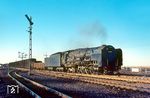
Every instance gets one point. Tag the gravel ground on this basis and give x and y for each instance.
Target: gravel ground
(78, 89)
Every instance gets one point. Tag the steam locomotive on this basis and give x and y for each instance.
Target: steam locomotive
(104, 59)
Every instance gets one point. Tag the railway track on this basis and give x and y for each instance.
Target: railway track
(35, 89)
(136, 83)
(128, 78)
(124, 82)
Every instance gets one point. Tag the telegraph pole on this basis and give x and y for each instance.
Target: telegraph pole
(30, 40)
(46, 55)
(22, 55)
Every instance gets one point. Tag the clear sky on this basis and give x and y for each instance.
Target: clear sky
(60, 25)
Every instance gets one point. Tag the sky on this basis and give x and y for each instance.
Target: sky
(61, 25)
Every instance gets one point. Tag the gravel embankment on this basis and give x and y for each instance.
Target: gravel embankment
(78, 89)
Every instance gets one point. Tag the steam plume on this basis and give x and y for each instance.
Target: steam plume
(89, 34)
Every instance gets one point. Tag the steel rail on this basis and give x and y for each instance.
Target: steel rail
(124, 84)
(59, 94)
(23, 86)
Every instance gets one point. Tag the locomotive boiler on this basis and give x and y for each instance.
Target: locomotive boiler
(104, 59)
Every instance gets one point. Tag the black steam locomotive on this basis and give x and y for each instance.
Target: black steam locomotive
(104, 59)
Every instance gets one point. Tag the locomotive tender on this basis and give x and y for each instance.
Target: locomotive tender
(104, 59)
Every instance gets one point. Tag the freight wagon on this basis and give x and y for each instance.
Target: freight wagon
(25, 64)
